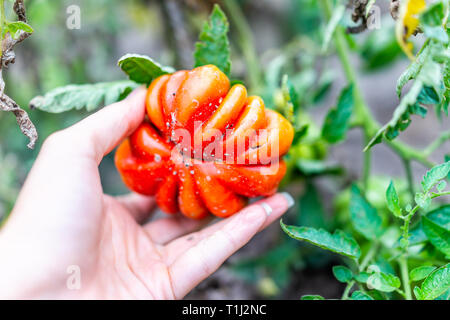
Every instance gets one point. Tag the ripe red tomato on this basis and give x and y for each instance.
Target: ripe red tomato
(205, 148)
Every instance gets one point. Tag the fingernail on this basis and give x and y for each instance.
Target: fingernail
(290, 201)
(268, 209)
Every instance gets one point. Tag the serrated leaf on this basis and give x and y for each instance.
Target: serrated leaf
(434, 175)
(364, 217)
(213, 47)
(441, 216)
(441, 186)
(142, 69)
(338, 242)
(420, 273)
(311, 209)
(312, 297)
(437, 283)
(88, 96)
(384, 282)
(359, 295)
(393, 201)
(423, 200)
(400, 119)
(342, 274)
(338, 119)
(438, 236)
(431, 22)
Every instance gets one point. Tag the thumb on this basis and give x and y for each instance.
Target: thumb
(102, 131)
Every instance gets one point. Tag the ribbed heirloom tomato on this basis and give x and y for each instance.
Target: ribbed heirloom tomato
(205, 147)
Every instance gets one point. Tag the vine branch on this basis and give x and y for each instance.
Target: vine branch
(7, 57)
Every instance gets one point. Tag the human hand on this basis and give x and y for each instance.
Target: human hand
(63, 222)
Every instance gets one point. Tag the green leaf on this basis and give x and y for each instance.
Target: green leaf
(420, 273)
(88, 96)
(393, 201)
(338, 242)
(290, 96)
(336, 17)
(364, 217)
(380, 48)
(359, 295)
(338, 119)
(312, 297)
(423, 200)
(362, 277)
(441, 216)
(434, 175)
(310, 167)
(300, 133)
(213, 47)
(311, 212)
(14, 28)
(342, 274)
(437, 283)
(444, 296)
(441, 186)
(401, 117)
(142, 69)
(438, 236)
(417, 293)
(384, 282)
(447, 156)
(413, 70)
(433, 15)
(431, 22)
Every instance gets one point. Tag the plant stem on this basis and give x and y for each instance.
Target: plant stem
(409, 177)
(2, 22)
(405, 277)
(245, 42)
(435, 195)
(369, 256)
(367, 165)
(347, 290)
(403, 259)
(437, 143)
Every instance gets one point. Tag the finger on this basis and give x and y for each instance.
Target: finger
(167, 229)
(275, 203)
(140, 207)
(220, 241)
(102, 131)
